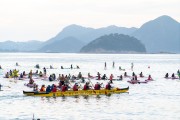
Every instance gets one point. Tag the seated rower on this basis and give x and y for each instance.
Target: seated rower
(24, 73)
(64, 88)
(77, 67)
(97, 86)
(75, 87)
(89, 76)
(40, 74)
(141, 74)
(173, 76)
(125, 74)
(149, 77)
(167, 75)
(21, 75)
(43, 88)
(120, 77)
(79, 75)
(51, 67)
(54, 89)
(104, 77)
(7, 75)
(108, 86)
(62, 67)
(35, 88)
(86, 86)
(48, 89)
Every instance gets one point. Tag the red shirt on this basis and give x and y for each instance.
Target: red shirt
(75, 88)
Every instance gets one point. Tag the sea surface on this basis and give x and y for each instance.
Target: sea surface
(159, 99)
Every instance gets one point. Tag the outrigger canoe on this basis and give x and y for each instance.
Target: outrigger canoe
(75, 93)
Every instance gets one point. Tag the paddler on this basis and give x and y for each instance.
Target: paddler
(15, 72)
(125, 74)
(104, 77)
(173, 76)
(97, 86)
(7, 75)
(108, 86)
(120, 77)
(149, 77)
(86, 86)
(40, 74)
(75, 87)
(48, 89)
(43, 88)
(141, 74)
(167, 75)
(54, 88)
(79, 75)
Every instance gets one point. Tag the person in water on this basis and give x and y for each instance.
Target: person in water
(75, 87)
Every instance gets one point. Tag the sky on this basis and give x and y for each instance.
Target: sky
(24, 20)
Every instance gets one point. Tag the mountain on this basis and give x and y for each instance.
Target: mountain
(81, 36)
(86, 35)
(160, 35)
(114, 43)
(66, 45)
(11, 46)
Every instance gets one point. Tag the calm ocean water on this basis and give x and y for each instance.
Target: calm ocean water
(159, 99)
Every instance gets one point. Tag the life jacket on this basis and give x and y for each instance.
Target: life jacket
(86, 87)
(63, 88)
(97, 87)
(75, 88)
(54, 89)
(108, 86)
(42, 89)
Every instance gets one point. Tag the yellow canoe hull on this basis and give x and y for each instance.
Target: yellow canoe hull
(76, 93)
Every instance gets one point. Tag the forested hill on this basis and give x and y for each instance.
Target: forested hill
(114, 43)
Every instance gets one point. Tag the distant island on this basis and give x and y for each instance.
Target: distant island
(161, 35)
(114, 43)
